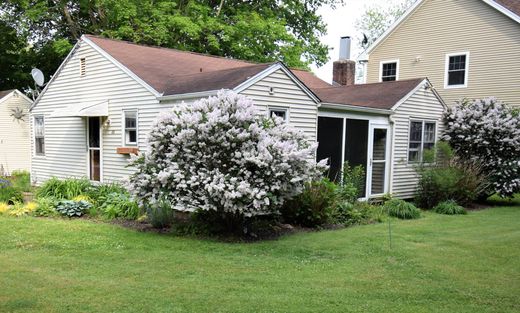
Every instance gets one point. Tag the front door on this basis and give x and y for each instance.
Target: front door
(378, 160)
(94, 148)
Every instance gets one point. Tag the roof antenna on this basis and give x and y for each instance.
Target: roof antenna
(39, 80)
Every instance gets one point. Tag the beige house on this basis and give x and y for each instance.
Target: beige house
(14, 132)
(466, 48)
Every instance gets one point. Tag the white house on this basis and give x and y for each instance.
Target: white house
(14, 132)
(99, 106)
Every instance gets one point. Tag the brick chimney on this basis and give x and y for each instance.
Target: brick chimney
(344, 70)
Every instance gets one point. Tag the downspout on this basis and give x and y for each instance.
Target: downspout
(392, 152)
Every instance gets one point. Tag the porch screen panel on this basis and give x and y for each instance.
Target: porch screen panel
(356, 145)
(330, 137)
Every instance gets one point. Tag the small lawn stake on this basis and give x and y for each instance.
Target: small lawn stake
(389, 230)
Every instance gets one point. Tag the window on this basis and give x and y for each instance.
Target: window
(130, 127)
(421, 137)
(389, 71)
(280, 112)
(82, 66)
(456, 70)
(39, 135)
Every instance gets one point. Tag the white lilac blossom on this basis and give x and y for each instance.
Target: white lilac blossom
(220, 154)
(489, 131)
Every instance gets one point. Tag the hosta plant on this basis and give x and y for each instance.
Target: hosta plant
(220, 154)
(488, 130)
(72, 208)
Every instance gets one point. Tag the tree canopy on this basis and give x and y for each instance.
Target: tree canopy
(255, 30)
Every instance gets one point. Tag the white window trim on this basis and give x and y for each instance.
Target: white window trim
(123, 128)
(273, 108)
(421, 149)
(446, 67)
(34, 135)
(396, 61)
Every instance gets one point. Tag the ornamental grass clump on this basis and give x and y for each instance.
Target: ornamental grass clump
(402, 209)
(449, 207)
(488, 131)
(220, 154)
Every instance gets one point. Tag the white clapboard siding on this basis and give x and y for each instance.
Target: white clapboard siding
(14, 134)
(303, 111)
(422, 105)
(440, 27)
(65, 137)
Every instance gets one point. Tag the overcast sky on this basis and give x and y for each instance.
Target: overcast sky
(341, 22)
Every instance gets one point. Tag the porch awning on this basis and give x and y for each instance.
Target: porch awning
(83, 109)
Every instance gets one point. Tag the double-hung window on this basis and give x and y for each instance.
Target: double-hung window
(421, 137)
(279, 112)
(39, 135)
(456, 70)
(130, 125)
(389, 70)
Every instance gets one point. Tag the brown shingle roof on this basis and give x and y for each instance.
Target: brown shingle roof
(511, 5)
(377, 95)
(4, 93)
(173, 71)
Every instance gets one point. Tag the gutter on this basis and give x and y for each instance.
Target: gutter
(354, 108)
(182, 96)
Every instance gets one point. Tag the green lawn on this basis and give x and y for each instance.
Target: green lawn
(437, 264)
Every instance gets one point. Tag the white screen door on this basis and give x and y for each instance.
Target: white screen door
(378, 160)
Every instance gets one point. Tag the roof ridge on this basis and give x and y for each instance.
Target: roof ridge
(171, 49)
(225, 70)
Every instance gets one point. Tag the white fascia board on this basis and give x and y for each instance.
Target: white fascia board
(354, 108)
(71, 52)
(503, 10)
(121, 66)
(191, 95)
(424, 83)
(23, 96)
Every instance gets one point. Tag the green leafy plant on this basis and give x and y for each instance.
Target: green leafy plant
(358, 213)
(116, 205)
(160, 214)
(314, 206)
(449, 207)
(46, 207)
(21, 180)
(72, 208)
(402, 209)
(8, 193)
(352, 182)
(64, 189)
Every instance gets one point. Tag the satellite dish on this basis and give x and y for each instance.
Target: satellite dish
(38, 77)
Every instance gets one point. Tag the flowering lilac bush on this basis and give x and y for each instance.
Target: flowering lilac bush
(218, 154)
(489, 131)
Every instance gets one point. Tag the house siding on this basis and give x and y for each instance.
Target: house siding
(65, 137)
(14, 135)
(422, 105)
(440, 27)
(303, 111)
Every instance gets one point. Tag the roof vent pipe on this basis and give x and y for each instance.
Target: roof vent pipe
(344, 48)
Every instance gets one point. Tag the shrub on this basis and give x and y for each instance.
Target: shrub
(314, 206)
(21, 180)
(160, 214)
(352, 183)
(488, 131)
(449, 177)
(46, 207)
(19, 209)
(449, 207)
(72, 208)
(358, 213)
(220, 154)
(64, 189)
(402, 209)
(8, 193)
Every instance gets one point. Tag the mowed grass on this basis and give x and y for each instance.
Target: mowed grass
(439, 263)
